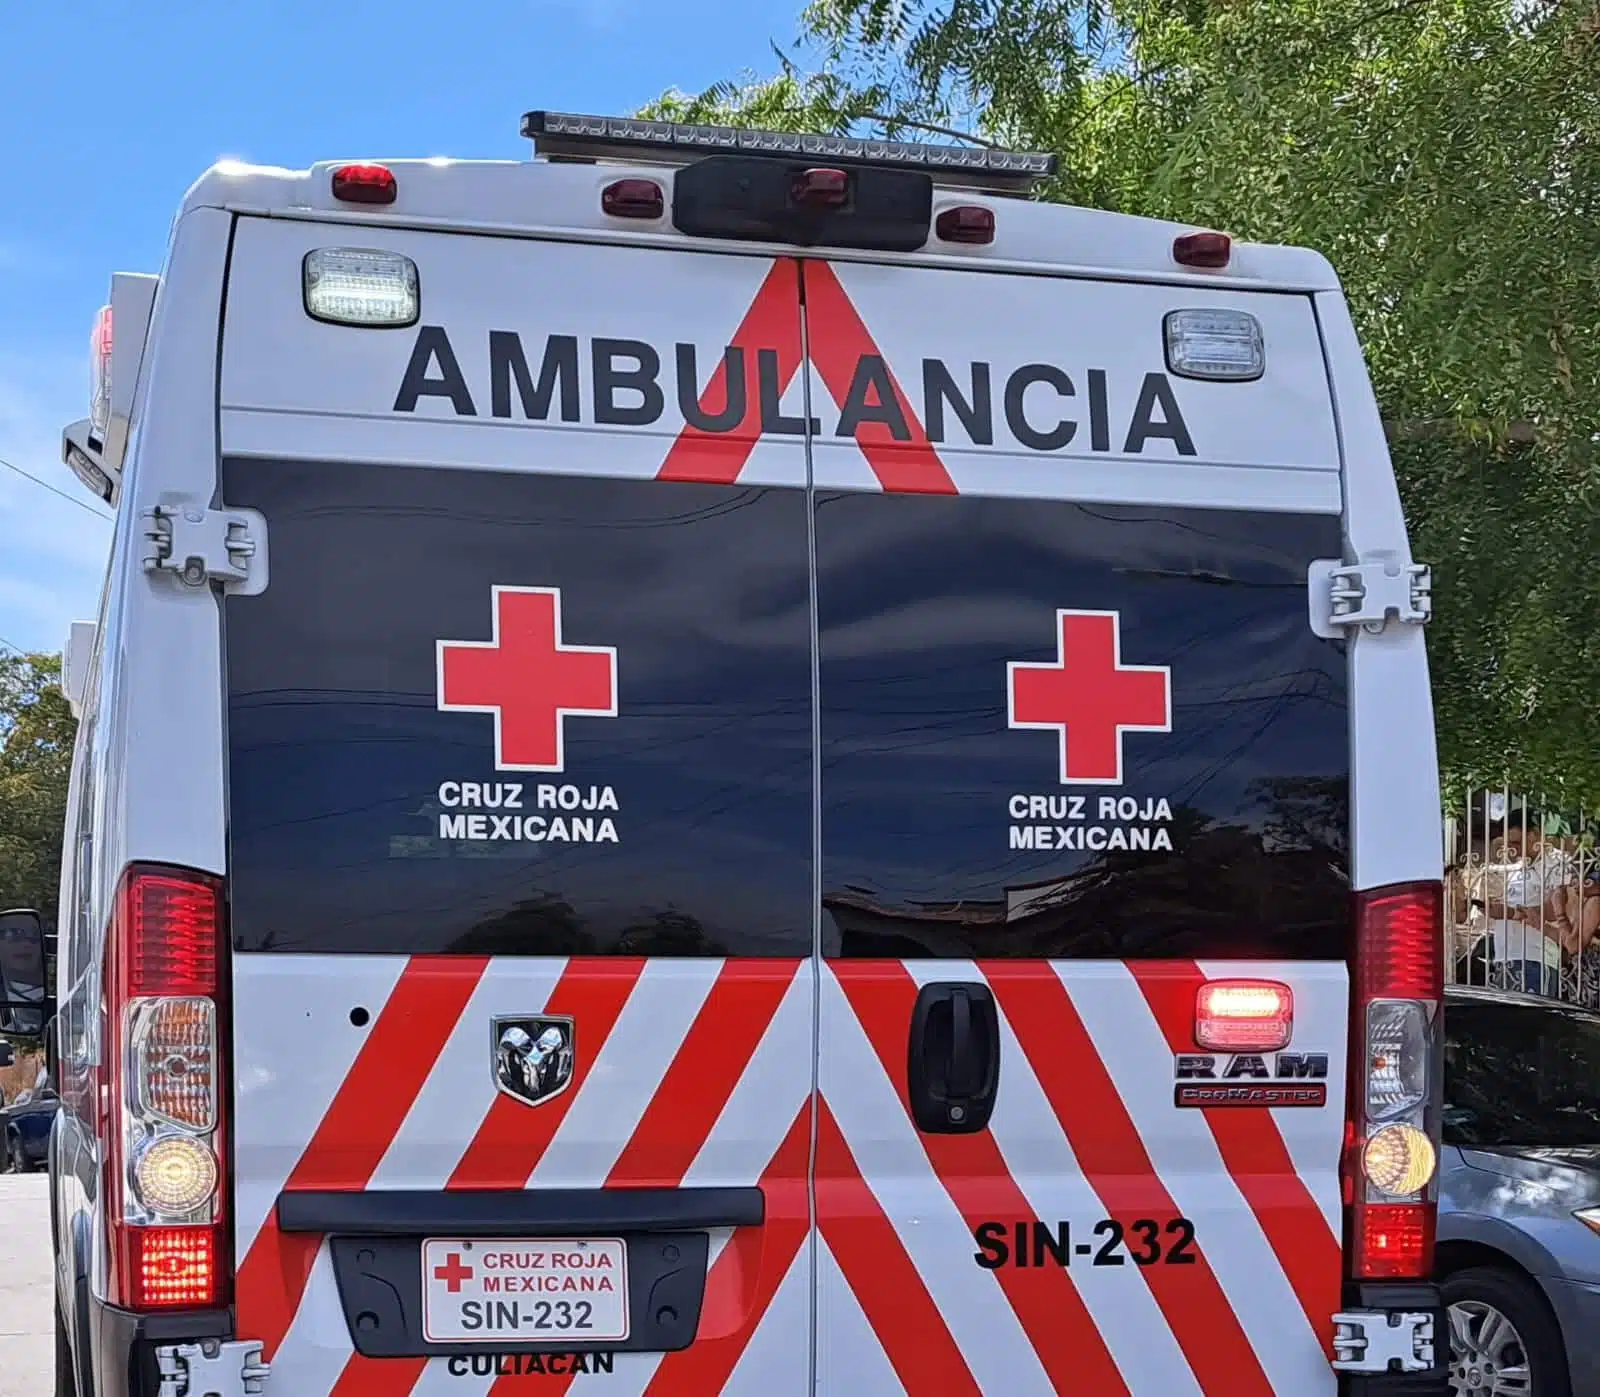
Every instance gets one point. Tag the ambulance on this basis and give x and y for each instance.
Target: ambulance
(734, 762)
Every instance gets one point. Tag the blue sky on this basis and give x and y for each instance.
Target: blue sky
(110, 110)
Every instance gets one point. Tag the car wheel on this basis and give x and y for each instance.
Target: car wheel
(66, 1368)
(1504, 1342)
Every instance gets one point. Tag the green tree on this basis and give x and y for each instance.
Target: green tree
(1444, 154)
(36, 733)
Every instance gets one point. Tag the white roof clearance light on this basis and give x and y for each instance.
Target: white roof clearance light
(1223, 345)
(355, 286)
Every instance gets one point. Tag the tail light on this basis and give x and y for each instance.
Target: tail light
(164, 1122)
(1392, 1132)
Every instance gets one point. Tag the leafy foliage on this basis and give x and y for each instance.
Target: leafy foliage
(1444, 154)
(36, 734)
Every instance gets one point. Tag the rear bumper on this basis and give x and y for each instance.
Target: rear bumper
(122, 1345)
(1404, 1298)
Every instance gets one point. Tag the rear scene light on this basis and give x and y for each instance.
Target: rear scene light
(633, 198)
(969, 223)
(170, 1268)
(365, 184)
(821, 189)
(1243, 1016)
(164, 1120)
(360, 287)
(1392, 1155)
(1210, 250)
(1222, 345)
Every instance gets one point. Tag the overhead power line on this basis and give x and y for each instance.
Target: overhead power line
(60, 494)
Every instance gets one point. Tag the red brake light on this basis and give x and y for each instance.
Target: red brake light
(1211, 250)
(1393, 1241)
(365, 184)
(170, 1268)
(633, 198)
(1243, 1016)
(821, 188)
(969, 223)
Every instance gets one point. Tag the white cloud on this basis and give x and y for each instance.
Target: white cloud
(52, 552)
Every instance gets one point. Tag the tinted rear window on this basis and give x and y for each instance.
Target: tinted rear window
(364, 818)
(367, 816)
(1215, 826)
(1520, 1075)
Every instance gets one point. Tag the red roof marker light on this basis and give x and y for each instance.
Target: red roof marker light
(821, 189)
(967, 223)
(633, 198)
(1209, 250)
(365, 184)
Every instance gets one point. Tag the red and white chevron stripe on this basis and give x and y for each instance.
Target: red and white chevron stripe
(704, 1072)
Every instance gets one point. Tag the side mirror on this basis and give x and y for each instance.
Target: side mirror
(24, 996)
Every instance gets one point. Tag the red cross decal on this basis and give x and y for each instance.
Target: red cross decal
(1090, 697)
(452, 1273)
(528, 679)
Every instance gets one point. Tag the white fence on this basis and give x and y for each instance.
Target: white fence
(1522, 897)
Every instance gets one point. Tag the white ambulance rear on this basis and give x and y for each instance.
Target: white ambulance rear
(723, 762)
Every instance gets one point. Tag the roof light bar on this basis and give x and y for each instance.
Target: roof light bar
(562, 134)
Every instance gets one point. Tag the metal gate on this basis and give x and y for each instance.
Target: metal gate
(1522, 896)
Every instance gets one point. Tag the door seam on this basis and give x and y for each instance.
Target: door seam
(814, 1296)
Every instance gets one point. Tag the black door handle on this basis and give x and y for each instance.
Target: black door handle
(954, 1058)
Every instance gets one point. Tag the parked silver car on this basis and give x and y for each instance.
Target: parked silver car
(1519, 1214)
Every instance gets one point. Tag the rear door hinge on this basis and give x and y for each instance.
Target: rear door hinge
(1368, 594)
(200, 545)
(1378, 1341)
(212, 1368)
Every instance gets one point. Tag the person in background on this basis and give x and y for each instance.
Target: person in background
(1524, 893)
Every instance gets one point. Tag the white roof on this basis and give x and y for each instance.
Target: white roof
(536, 197)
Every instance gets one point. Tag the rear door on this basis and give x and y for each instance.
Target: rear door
(520, 774)
(1080, 754)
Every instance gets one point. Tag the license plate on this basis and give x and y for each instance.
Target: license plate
(513, 1290)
